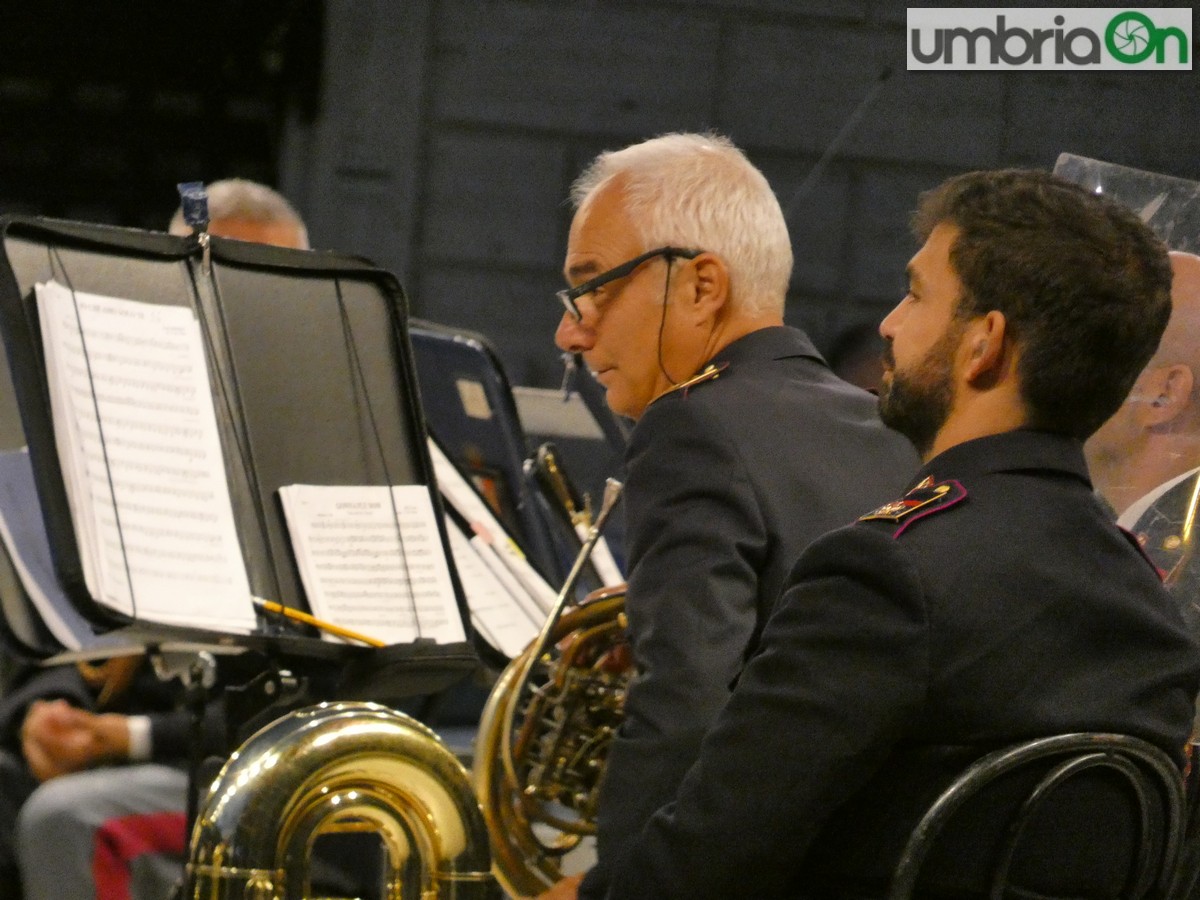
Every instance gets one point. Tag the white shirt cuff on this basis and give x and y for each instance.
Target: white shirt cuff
(139, 738)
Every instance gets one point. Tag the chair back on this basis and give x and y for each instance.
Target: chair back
(1154, 783)
(1187, 882)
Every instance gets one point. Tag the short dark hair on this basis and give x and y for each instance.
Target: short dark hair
(1083, 284)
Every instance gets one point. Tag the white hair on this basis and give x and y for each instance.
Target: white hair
(240, 198)
(699, 192)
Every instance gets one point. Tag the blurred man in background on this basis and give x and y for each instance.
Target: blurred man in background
(248, 211)
(1145, 460)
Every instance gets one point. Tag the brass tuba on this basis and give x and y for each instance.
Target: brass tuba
(340, 768)
(361, 767)
(545, 731)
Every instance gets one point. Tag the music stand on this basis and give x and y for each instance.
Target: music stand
(313, 384)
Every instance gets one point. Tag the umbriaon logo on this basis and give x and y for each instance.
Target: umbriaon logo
(1059, 38)
(1132, 37)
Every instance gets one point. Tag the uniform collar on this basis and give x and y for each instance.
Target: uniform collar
(773, 342)
(1010, 451)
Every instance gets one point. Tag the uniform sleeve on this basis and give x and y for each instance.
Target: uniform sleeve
(50, 683)
(696, 539)
(172, 736)
(842, 667)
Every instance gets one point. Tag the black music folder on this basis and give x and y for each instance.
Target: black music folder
(211, 423)
(469, 409)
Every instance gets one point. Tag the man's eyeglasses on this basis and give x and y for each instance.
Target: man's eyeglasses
(570, 295)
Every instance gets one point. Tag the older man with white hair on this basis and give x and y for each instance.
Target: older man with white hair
(746, 448)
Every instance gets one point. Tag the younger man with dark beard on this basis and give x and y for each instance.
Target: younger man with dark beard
(993, 603)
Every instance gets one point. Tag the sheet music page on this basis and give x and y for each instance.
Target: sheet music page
(503, 623)
(468, 504)
(373, 563)
(142, 460)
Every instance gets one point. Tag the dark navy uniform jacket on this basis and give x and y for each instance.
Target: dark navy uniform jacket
(994, 604)
(727, 481)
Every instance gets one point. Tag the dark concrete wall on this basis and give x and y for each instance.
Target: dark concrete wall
(449, 131)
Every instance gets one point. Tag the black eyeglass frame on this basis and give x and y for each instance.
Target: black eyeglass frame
(568, 296)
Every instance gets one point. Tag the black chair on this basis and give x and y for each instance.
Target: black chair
(1154, 787)
(1188, 881)
(469, 408)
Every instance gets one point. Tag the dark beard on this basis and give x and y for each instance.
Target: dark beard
(917, 403)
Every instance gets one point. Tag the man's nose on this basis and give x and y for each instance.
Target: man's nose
(572, 336)
(887, 328)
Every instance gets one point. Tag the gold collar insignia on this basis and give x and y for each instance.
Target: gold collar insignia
(710, 373)
(924, 494)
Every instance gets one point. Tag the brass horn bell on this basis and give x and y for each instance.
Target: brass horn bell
(339, 768)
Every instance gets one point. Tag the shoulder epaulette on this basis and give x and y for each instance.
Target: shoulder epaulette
(711, 373)
(926, 498)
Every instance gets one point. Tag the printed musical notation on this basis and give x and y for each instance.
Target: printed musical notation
(508, 598)
(502, 623)
(371, 559)
(141, 459)
(145, 476)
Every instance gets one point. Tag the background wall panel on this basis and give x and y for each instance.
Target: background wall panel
(440, 137)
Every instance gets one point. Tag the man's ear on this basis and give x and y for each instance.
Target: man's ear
(710, 283)
(986, 351)
(1165, 393)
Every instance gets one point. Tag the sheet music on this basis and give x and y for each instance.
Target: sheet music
(141, 459)
(492, 606)
(371, 563)
(471, 507)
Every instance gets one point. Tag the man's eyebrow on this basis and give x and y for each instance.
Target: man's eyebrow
(914, 278)
(580, 271)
